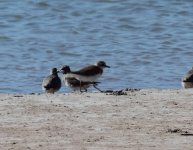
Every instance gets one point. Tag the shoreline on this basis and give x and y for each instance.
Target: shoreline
(140, 119)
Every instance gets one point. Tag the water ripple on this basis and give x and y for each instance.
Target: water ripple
(149, 42)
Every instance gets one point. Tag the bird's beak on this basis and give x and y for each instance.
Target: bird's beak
(107, 66)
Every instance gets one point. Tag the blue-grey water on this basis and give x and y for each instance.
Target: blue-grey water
(147, 43)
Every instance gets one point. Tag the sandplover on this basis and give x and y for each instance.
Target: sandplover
(73, 83)
(51, 83)
(90, 73)
(187, 80)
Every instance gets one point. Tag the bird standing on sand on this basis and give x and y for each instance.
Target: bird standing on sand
(187, 80)
(90, 73)
(73, 82)
(51, 83)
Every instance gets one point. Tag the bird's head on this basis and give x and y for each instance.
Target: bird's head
(102, 64)
(65, 69)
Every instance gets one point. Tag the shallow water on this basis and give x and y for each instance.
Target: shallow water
(148, 44)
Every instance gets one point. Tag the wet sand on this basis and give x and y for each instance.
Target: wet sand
(145, 119)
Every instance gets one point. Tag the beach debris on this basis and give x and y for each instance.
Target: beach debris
(18, 96)
(174, 131)
(120, 92)
(182, 133)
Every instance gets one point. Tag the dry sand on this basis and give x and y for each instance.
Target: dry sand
(140, 120)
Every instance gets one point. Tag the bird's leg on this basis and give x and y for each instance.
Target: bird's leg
(80, 86)
(85, 90)
(94, 85)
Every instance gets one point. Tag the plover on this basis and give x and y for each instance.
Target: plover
(187, 80)
(90, 73)
(73, 82)
(51, 83)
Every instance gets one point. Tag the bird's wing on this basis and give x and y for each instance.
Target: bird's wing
(89, 71)
(188, 77)
(47, 82)
(51, 82)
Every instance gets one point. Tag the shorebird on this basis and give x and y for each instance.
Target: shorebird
(74, 83)
(51, 83)
(187, 80)
(90, 73)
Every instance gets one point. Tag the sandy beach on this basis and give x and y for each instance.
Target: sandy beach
(137, 120)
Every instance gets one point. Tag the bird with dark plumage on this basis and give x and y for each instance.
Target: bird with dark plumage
(73, 82)
(52, 83)
(187, 80)
(89, 73)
